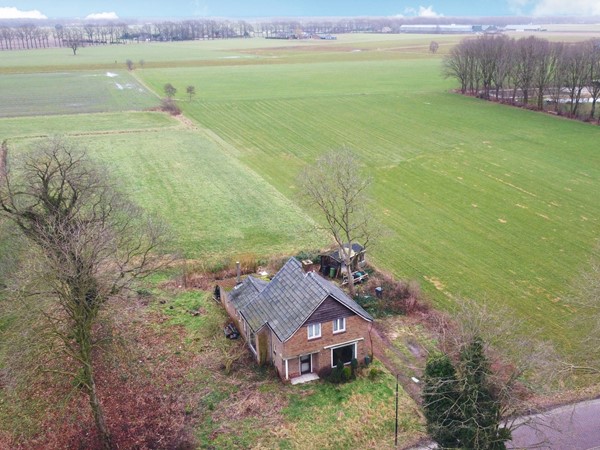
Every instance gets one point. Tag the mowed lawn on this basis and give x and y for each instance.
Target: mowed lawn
(480, 200)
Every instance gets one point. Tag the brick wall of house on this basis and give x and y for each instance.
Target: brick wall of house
(299, 344)
(229, 307)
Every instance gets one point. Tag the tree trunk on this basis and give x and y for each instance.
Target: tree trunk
(84, 340)
(98, 413)
(350, 278)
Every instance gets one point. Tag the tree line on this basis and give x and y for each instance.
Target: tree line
(30, 36)
(534, 72)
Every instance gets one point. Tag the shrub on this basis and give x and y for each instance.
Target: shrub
(168, 105)
(354, 367)
(399, 296)
(346, 373)
(374, 373)
(324, 373)
(313, 255)
(337, 373)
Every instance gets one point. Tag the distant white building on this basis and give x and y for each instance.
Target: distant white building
(522, 28)
(437, 29)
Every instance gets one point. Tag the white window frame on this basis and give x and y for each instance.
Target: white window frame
(354, 352)
(335, 325)
(316, 331)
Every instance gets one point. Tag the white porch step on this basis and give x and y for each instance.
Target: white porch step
(305, 378)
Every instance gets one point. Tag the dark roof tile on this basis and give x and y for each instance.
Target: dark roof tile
(288, 300)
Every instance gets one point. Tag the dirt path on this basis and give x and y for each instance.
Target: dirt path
(382, 345)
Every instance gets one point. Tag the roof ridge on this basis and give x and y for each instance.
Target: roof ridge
(313, 276)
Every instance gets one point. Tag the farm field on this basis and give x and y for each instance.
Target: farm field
(216, 207)
(480, 200)
(36, 94)
(38, 126)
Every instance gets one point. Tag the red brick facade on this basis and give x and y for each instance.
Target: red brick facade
(317, 353)
(357, 330)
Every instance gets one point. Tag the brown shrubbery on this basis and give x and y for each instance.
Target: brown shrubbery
(168, 105)
(398, 296)
(141, 385)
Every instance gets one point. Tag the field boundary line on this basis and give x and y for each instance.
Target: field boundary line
(139, 80)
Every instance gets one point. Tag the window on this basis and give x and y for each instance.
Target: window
(344, 354)
(314, 330)
(339, 325)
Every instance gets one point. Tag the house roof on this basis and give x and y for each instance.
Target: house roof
(247, 291)
(335, 254)
(289, 300)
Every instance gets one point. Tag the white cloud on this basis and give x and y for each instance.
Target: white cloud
(421, 12)
(10, 12)
(567, 7)
(428, 12)
(102, 16)
(518, 7)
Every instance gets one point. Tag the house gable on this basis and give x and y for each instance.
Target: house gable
(329, 310)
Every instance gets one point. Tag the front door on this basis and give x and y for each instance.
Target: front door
(305, 364)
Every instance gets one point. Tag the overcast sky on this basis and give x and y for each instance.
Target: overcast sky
(114, 9)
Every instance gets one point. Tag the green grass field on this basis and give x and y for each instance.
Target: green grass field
(480, 200)
(37, 94)
(216, 207)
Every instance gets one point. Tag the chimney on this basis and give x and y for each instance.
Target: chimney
(239, 271)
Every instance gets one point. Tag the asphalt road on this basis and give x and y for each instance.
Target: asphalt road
(571, 427)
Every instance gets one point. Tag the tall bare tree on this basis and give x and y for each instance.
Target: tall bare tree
(574, 72)
(73, 38)
(473, 391)
(190, 91)
(170, 90)
(335, 187)
(91, 244)
(593, 77)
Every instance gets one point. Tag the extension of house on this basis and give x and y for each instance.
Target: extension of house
(300, 322)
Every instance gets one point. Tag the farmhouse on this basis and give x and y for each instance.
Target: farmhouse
(299, 322)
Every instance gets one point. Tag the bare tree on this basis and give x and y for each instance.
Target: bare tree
(129, 64)
(574, 70)
(336, 188)
(593, 77)
(190, 91)
(73, 38)
(434, 47)
(546, 56)
(463, 64)
(525, 66)
(170, 90)
(91, 244)
(485, 356)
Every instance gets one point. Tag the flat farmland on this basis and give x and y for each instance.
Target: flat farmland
(76, 124)
(37, 94)
(219, 52)
(215, 206)
(480, 200)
